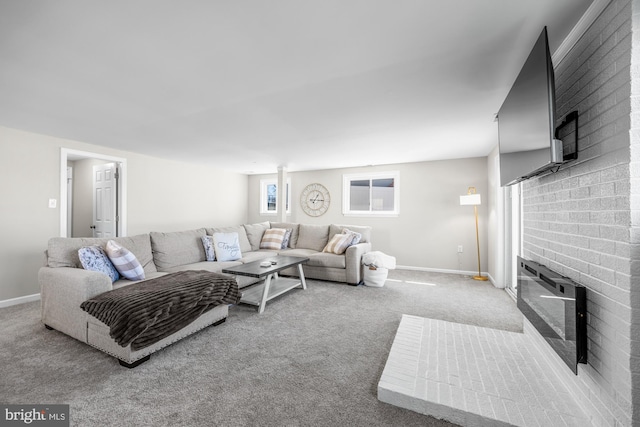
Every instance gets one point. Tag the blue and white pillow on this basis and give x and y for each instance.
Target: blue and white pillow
(207, 242)
(286, 238)
(93, 258)
(124, 261)
(227, 246)
(356, 236)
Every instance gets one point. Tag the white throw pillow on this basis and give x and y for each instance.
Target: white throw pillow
(124, 261)
(227, 246)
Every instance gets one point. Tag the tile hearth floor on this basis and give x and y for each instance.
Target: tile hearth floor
(471, 375)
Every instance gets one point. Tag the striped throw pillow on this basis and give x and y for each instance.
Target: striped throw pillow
(272, 238)
(124, 261)
(338, 244)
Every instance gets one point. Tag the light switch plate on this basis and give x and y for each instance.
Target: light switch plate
(53, 203)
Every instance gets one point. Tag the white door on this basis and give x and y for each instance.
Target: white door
(69, 201)
(104, 200)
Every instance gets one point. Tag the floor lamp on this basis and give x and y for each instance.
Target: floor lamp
(473, 199)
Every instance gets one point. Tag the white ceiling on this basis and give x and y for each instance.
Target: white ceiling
(248, 85)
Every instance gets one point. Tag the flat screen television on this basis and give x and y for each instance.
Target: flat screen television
(526, 121)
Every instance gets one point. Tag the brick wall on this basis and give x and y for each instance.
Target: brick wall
(577, 221)
(634, 171)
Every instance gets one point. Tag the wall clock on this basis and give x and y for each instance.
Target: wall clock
(315, 199)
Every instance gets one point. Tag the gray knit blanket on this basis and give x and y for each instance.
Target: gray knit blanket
(143, 313)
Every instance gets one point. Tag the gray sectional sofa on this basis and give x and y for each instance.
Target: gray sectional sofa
(65, 284)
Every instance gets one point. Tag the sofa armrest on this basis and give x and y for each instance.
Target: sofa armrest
(62, 290)
(354, 262)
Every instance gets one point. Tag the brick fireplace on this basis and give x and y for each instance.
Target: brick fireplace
(583, 221)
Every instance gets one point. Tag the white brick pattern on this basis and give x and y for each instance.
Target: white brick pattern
(634, 238)
(476, 376)
(580, 221)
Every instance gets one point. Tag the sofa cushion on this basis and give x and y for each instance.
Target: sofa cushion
(217, 267)
(207, 244)
(227, 246)
(313, 237)
(124, 261)
(177, 248)
(318, 259)
(324, 259)
(245, 246)
(298, 252)
(63, 251)
(254, 234)
(272, 238)
(364, 230)
(214, 267)
(126, 282)
(93, 258)
(257, 255)
(338, 243)
(295, 228)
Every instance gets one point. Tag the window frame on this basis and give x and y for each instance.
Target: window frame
(264, 183)
(346, 193)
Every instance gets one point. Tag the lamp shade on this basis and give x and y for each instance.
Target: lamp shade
(470, 199)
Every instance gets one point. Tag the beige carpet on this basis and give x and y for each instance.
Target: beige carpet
(314, 358)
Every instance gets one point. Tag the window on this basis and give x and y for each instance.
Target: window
(371, 194)
(269, 196)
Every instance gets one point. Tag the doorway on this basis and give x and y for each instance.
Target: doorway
(78, 189)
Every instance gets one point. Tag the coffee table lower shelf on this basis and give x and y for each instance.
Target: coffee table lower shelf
(273, 284)
(277, 287)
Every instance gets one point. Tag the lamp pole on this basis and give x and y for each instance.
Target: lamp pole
(471, 198)
(479, 276)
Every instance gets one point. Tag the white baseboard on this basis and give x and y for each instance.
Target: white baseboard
(436, 270)
(442, 270)
(493, 281)
(19, 300)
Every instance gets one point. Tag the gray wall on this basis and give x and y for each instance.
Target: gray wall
(578, 221)
(163, 195)
(431, 223)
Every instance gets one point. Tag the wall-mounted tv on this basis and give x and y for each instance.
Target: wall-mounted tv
(526, 121)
